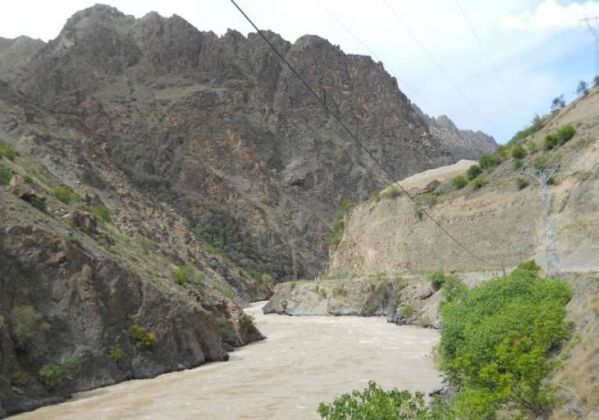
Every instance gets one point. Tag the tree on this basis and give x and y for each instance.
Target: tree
(583, 88)
(558, 103)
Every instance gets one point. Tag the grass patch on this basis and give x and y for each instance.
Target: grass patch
(522, 182)
(479, 182)
(65, 194)
(338, 222)
(459, 182)
(7, 151)
(102, 213)
(473, 172)
(5, 175)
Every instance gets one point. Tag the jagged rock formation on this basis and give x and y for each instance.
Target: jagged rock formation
(462, 144)
(218, 128)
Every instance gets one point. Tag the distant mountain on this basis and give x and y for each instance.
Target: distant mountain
(462, 144)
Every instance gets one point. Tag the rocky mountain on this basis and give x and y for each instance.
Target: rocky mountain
(218, 128)
(462, 144)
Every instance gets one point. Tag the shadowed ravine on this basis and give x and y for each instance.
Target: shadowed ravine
(304, 361)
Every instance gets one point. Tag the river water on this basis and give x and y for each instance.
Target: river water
(304, 360)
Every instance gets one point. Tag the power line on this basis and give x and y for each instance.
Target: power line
(376, 57)
(438, 65)
(354, 137)
(484, 50)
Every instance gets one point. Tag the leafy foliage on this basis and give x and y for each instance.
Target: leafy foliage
(7, 151)
(489, 161)
(535, 125)
(496, 341)
(459, 182)
(182, 274)
(53, 374)
(66, 194)
(437, 279)
(479, 182)
(5, 175)
(141, 338)
(338, 222)
(27, 323)
(374, 403)
(522, 182)
(116, 353)
(473, 172)
(517, 163)
(101, 212)
(558, 138)
(519, 152)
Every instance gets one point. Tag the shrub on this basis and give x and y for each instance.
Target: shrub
(522, 182)
(489, 161)
(459, 182)
(7, 151)
(531, 146)
(5, 175)
(479, 182)
(375, 403)
(535, 125)
(473, 172)
(551, 141)
(141, 338)
(530, 265)
(65, 194)
(518, 152)
(101, 212)
(222, 325)
(338, 222)
(182, 274)
(565, 134)
(437, 279)
(407, 311)
(390, 193)
(496, 341)
(541, 163)
(27, 323)
(453, 289)
(517, 163)
(116, 353)
(53, 374)
(38, 202)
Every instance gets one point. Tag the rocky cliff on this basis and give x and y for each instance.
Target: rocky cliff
(219, 129)
(462, 144)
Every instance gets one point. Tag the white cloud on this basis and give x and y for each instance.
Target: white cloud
(550, 15)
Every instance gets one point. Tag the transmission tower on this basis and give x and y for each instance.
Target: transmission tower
(542, 176)
(592, 24)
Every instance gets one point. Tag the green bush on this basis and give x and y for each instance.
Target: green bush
(182, 274)
(141, 338)
(531, 146)
(65, 194)
(459, 182)
(551, 141)
(473, 172)
(496, 343)
(338, 222)
(522, 182)
(7, 151)
(437, 279)
(479, 182)
(530, 265)
(535, 125)
(101, 212)
(53, 374)
(407, 311)
(518, 152)
(390, 193)
(374, 403)
(223, 325)
(489, 161)
(565, 133)
(116, 353)
(540, 163)
(27, 323)
(517, 163)
(453, 289)
(5, 175)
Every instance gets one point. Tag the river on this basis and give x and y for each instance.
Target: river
(304, 360)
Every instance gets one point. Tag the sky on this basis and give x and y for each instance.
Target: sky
(489, 65)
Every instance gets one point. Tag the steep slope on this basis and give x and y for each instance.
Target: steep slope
(217, 127)
(90, 285)
(462, 144)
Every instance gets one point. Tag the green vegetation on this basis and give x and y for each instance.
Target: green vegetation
(66, 194)
(437, 279)
(459, 182)
(519, 152)
(7, 151)
(535, 125)
(531, 146)
(559, 137)
(522, 182)
(340, 291)
(517, 163)
(496, 342)
(27, 323)
(223, 325)
(5, 175)
(141, 338)
(479, 182)
(182, 274)
(374, 403)
(53, 374)
(390, 193)
(473, 172)
(542, 162)
(338, 222)
(38, 202)
(116, 353)
(101, 212)
(489, 161)
(407, 311)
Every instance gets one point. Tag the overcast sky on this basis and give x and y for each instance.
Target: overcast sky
(487, 64)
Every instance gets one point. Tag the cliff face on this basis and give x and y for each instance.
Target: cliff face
(462, 144)
(218, 128)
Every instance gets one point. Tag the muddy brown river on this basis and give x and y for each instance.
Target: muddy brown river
(304, 360)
